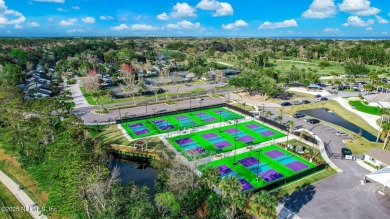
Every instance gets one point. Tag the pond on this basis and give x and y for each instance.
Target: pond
(139, 173)
(326, 115)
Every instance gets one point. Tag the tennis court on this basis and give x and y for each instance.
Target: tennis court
(224, 139)
(180, 121)
(271, 164)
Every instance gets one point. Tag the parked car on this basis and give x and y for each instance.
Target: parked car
(307, 119)
(297, 102)
(286, 104)
(199, 99)
(346, 151)
(317, 99)
(317, 96)
(324, 99)
(314, 121)
(341, 134)
(188, 85)
(298, 115)
(223, 85)
(305, 101)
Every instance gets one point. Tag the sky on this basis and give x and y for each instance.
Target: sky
(209, 18)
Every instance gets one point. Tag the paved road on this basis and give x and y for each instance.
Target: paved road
(78, 97)
(341, 195)
(21, 196)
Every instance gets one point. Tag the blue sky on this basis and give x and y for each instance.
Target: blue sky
(229, 18)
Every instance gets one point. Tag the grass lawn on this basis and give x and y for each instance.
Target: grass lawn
(216, 141)
(7, 199)
(11, 167)
(374, 110)
(180, 121)
(275, 165)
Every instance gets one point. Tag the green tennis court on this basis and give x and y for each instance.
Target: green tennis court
(224, 139)
(271, 164)
(180, 121)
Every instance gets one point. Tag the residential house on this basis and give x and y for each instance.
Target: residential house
(378, 157)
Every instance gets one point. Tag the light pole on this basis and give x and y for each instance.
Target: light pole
(200, 103)
(154, 114)
(220, 121)
(235, 145)
(258, 165)
(263, 114)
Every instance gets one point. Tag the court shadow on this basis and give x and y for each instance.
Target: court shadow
(303, 195)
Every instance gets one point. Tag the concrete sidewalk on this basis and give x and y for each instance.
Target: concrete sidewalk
(23, 198)
(78, 97)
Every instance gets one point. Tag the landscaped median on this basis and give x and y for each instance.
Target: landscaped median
(362, 107)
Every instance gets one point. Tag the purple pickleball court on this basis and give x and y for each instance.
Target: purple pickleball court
(252, 126)
(184, 141)
(210, 119)
(159, 121)
(232, 131)
(245, 185)
(267, 133)
(181, 117)
(209, 135)
(274, 153)
(166, 127)
(270, 175)
(249, 161)
(219, 111)
(135, 125)
(141, 132)
(296, 166)
(223, 169)
(222, 144)
(195, 151)
(247, 138)
(200, 114)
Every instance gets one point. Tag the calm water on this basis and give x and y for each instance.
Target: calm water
(324, 114)
(140, 174)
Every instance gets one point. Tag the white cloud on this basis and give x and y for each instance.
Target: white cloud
(122, 18)
(358, 7)
(17, 26)
(283, 24)
(88, 20)
(236, 25)
(225, 10)
(369, 28)
(76, 8)
(384, 33)
(61, 10)
(68, 22)
(221, 8)
(184, 25)
(331, 30)
(163, 16)
(183, 10)
(143, 27)
(33, 24)
(381, 20)
(137, 17)
(50, 19)
(54, 1)
(17, 17)
(320, 9)
(106, 18)
(356, 21)
(75, 31)
(120, 27)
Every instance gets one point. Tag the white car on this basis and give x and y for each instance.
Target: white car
(317, 99)
(341, 134)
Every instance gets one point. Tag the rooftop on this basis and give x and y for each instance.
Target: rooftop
(381, 155)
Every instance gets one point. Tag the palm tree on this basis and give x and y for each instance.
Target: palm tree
(386, 128)
(279, 120)
(268, 114)
(230, 188)
(210, 176)
(383, 112)
(262, 205)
